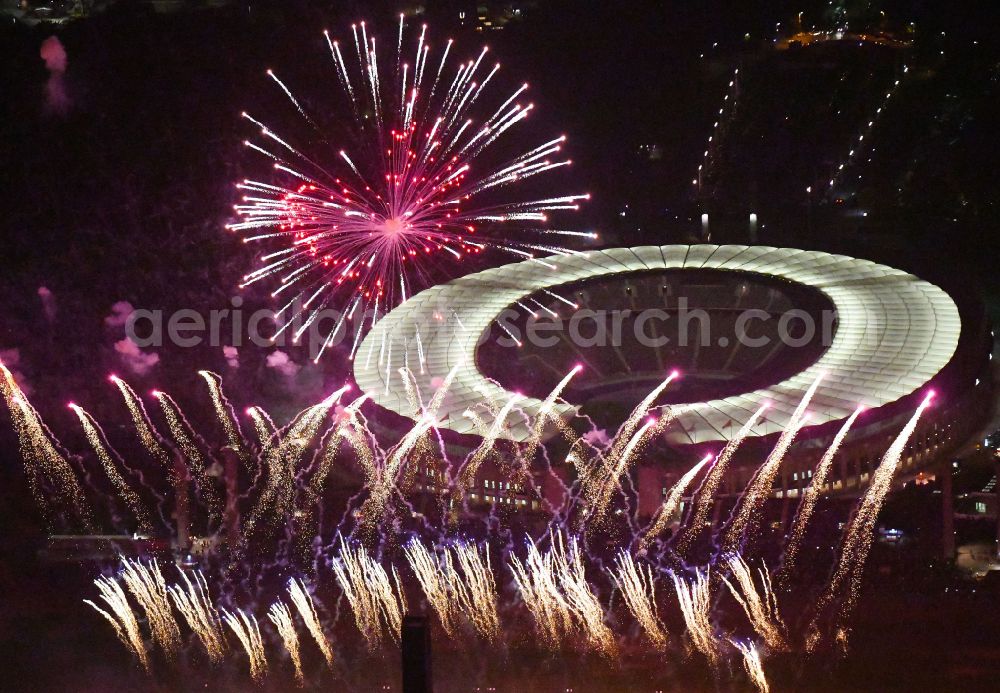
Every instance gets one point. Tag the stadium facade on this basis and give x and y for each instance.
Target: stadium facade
(744, 325)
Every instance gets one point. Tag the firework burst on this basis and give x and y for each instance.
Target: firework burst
(359, 230)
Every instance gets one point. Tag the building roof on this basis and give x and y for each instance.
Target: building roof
(894, 333)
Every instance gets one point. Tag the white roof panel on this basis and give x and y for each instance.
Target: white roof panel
(895, 332)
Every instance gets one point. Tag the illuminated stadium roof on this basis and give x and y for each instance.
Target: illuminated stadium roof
(894, 333)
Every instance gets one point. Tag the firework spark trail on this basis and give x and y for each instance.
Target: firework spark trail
(480, 454)
(438, 580)
(705, 496)
(262, 425)
(14, 398)
(121, 618)
(553, 584)
(482, 428)
(130, 497)
(556, 591)
(695, 600)
(747, 512)
(545, 413)
(378, 604)
(282, 620)
(308, 510)
(193, 601)
(855, 545)
(438, 399)
(282, 461)
(384, 469)
(412, 390)
(480, 589)
(809, 498)
(147, 585)
(672, 502)
(538, 586)
(248, 633)
(347, 420)
(573, 580)
(387, 474)
(195, 460)
(639, 589)
(364, 453)
(453, 593)
(753, 665)
(627, 430)
(760, 606)
(605, 479)
(368, 228)
(224, 411)
(303, 602)
(151, 440)
(43, 462)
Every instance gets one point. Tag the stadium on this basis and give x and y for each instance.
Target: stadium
(743, 325)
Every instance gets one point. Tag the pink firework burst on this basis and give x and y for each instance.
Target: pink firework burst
(360, 233)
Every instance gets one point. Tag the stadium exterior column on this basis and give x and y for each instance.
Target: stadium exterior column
(786, 502)
(650, 482)
(947, 514)
(182, 509)
(996, 491)
(231, 514)
(415, 648)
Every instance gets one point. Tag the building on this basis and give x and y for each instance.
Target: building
(882, 337)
